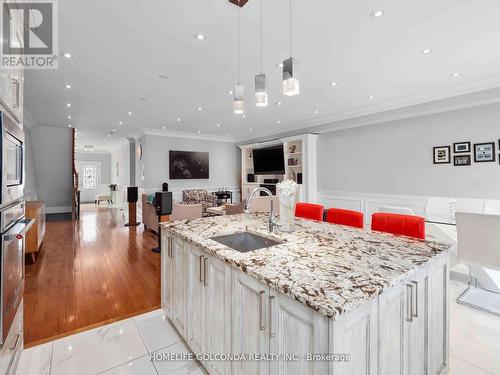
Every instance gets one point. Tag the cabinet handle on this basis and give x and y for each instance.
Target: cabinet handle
(171, 252)
(409, 303)
(416, 299)
(15, 85)
(261, 308)
(201, 269)
(205, 271)
(271, 333)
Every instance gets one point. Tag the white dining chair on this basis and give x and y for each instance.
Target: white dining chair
(478, 244)
(396, 210)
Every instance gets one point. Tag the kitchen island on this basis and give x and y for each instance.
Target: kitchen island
(327, 299)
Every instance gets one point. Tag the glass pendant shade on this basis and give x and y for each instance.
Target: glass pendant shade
(291, 86)
(239, 101)
(260, 90)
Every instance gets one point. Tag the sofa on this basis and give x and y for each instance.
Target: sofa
(199, 196)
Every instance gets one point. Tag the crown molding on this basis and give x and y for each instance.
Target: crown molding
(177, 134)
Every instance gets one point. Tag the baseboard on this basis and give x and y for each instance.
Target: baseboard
(58, 210)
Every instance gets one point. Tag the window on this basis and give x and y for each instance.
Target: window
(89, 177)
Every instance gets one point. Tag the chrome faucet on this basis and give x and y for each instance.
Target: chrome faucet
(272, 219)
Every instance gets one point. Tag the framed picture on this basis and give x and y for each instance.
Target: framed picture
(484, 152)
(461, 147)
(188, 165)
(461, 160)
(442, 155)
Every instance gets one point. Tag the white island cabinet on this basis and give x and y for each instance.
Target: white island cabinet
(220, 310)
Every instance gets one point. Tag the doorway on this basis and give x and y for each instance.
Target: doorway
(89, 179)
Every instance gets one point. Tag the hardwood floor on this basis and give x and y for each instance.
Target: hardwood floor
(89, 274)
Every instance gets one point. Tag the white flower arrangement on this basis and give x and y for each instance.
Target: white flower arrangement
(287, 187)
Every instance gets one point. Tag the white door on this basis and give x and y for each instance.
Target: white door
(218, 313)
(299, 330)
(89, 179)
(196, 299)
(179, 259)
(250, 322)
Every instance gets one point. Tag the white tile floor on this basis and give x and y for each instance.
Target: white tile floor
(123, 348)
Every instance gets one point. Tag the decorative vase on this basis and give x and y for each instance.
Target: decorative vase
(286, 191)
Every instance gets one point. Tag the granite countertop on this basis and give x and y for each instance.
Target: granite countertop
(332, 269)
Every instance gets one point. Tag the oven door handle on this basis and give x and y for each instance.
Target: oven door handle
(19, 236)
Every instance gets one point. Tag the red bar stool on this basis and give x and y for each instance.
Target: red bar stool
(345, 217)
(403, 225)
(309, 211)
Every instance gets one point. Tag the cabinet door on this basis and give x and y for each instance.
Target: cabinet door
(418, 327)
(195, 299)
(438, 311)
(296, 329)
(218, 311)
(356, 334)
(250, 322)
(393, 330)
(179, 262)
(167, 276)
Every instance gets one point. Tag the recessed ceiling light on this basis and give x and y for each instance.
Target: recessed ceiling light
(218, 125)
(68, 86)
(333, 83)
(129, 113)
(455, 75)
(120, 122)
(109, 135)
(278, 103)
(316, 111)
(68, 105)
(250, 129)
(244, 116)
(68, 55)
(229, 135)
(114, 130)
(280, 65)
(178, 120)
(200, 109)
(278, 122)
(371, 97)
(377, 13)
(69, 117)
(200, 37)
(199, 131)
(69, 126)
(426, 51)
(230, 92)
(163, 127)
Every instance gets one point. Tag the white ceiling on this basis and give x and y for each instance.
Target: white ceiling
(120, 48)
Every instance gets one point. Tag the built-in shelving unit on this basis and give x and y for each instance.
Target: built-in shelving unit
(300, 166)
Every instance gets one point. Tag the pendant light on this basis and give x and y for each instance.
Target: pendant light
(260, 79)
(239, 90)
(290, 83)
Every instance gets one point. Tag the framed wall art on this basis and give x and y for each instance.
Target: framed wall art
(461, 160)
(484, 152)
(442, 155)
(461, 147)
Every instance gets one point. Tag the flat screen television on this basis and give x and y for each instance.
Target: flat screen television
(269, 160)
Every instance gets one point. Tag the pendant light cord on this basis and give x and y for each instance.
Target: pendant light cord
(290, 27)
(261, 34)
(239, 52)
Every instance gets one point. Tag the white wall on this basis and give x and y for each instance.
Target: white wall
(223, 159)
(52, 156)
(397, 157)
(30, 182)
(120, 165)
(105, 160)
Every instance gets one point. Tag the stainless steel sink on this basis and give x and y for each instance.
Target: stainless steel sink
(245, 241)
